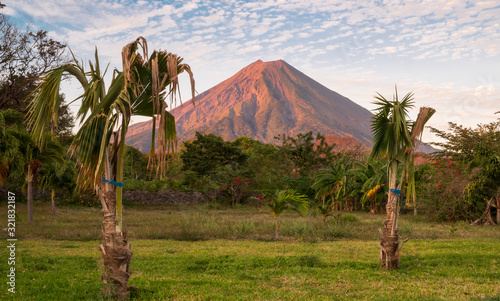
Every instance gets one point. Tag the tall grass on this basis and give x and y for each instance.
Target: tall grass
(201, 222)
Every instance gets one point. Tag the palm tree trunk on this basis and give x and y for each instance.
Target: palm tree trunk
(119, 178)
(498, 209)
(29, 179)
(53, 202)
(389, 245)
(277, 236)
(414, 201)
(115, 249)
(151, 154)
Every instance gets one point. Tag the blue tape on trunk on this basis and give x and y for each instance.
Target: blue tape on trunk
(113, 182)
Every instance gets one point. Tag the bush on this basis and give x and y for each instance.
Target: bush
(153, 185)
(302, 185)
(235, 188)
(85, 199)
(208, 152)
(348, 218)
(441, 193)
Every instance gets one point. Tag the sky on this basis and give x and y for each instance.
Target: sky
(446, 52)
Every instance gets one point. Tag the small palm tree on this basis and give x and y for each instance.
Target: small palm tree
(285, 200)
(393, 135)
(34, 158)
(327, 183)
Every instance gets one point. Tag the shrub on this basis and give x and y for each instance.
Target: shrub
(236, 188)
(441, 193)
(86, 199)
(348, 218)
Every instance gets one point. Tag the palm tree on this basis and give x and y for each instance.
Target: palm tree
(19, 153)
(35, 157)
(286, 200)
(325, 208)
(393, 136)
(333, 182)
(141, 89)
(370, 179)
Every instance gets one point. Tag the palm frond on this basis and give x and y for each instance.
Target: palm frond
(43, 110)
(293, 200)
(417, 129)
(390, 127)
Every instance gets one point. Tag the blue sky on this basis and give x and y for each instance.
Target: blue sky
(447, 52)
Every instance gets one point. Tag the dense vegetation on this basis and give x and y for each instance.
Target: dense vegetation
(449, 186)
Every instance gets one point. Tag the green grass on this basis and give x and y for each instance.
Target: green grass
(197, 253)
(458, 269)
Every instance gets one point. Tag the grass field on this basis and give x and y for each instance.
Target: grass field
(198, 253)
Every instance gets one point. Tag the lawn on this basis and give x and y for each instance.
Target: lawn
(203, 253)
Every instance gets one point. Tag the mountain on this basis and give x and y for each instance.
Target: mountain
(263, 100)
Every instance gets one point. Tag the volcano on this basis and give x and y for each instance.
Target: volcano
(261, 101)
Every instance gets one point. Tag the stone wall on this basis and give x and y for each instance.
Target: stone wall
(134, 196)
(21, 194)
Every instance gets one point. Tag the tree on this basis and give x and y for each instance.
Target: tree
(333, 183)
(135, 165)
(207, 152)
(35, 157)
(479, 149)
(370, 178)
(285, 200)
(141, 89)
(265, 164)
(393, 135)
(11, 157)
(65, 121)
(20, 155)
(304, 153)
(57, 176)
(24, 56)
(416, 130)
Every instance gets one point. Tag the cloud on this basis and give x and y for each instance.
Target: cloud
(247, 49)
(187, 7)
(7, 10)
(284, 36)
(259, 30)
(330, 23)
(304, 34)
